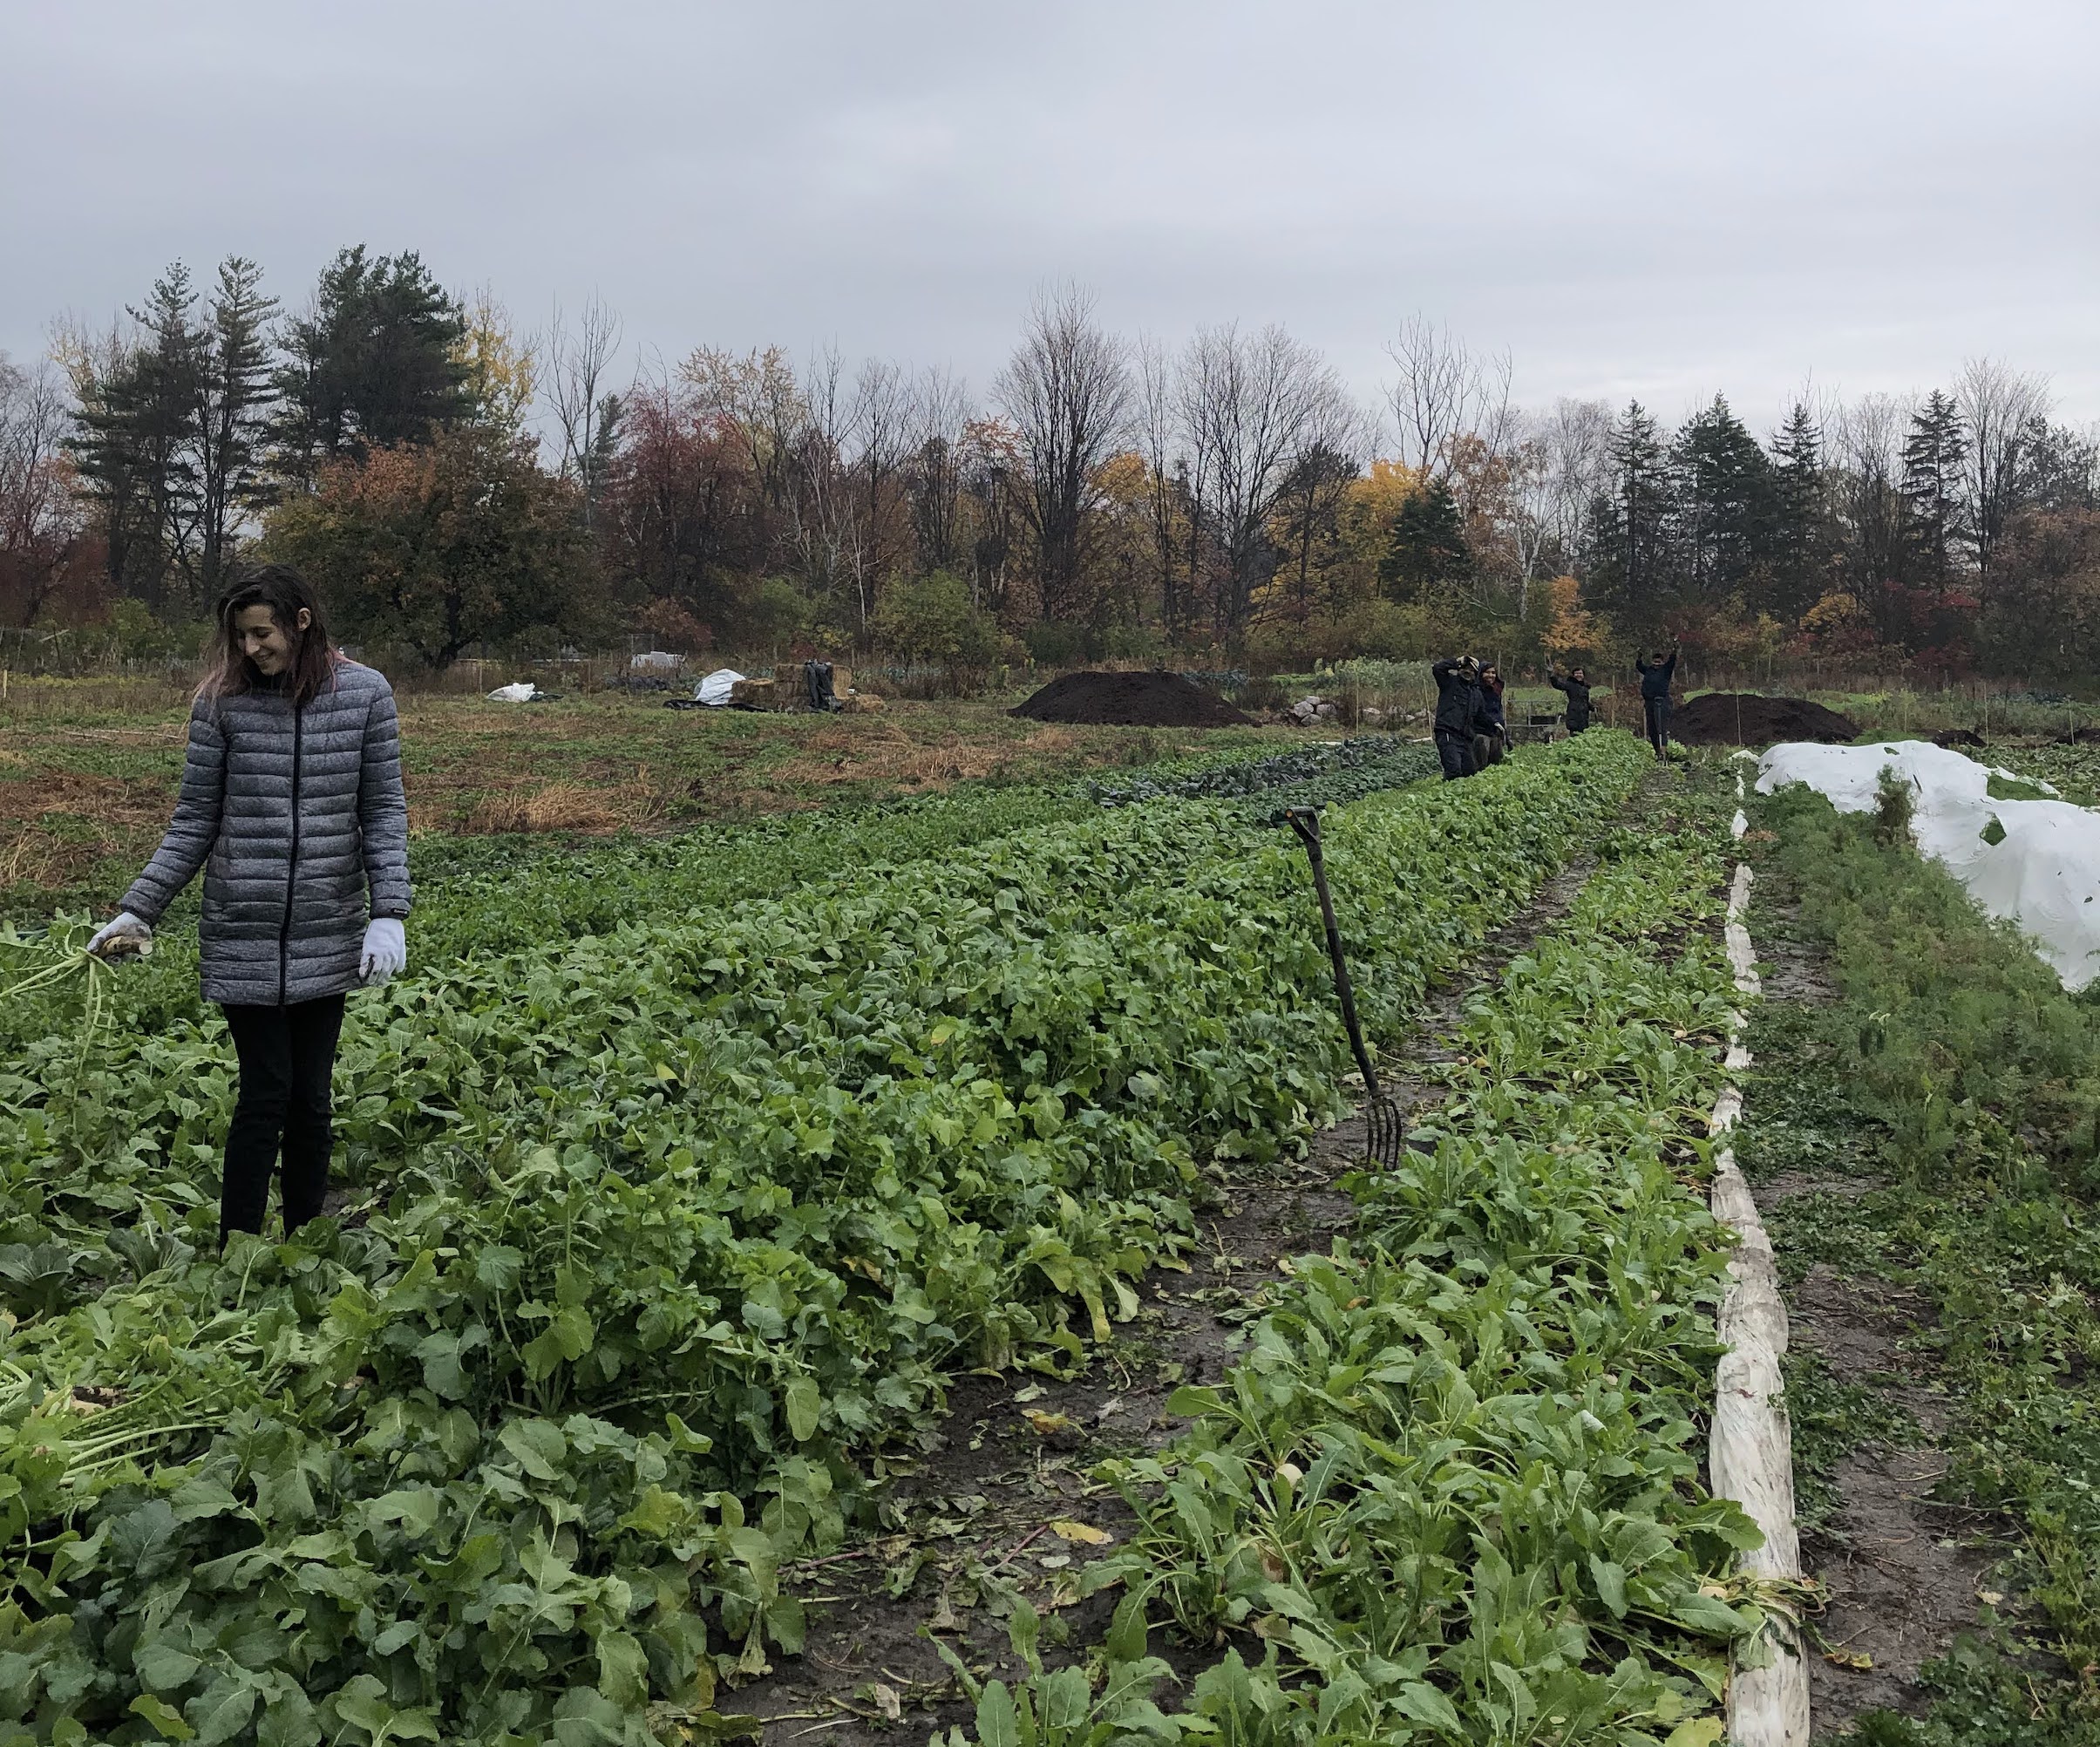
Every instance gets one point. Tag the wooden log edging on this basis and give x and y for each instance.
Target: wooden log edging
(1750, 1456)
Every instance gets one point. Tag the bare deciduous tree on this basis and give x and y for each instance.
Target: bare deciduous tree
(881, 426)
(1168, 501)
(1558, 462)
(584, 410)
(1252, 409)
(40, 523)
(2001, 408)
(1067, 390)
(823, 524)
(1445, 393)
(1865, 435)
(939, 410)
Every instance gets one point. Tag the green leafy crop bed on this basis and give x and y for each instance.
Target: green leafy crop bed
(1451, 1493)
(1325, 775)
(662, 1233)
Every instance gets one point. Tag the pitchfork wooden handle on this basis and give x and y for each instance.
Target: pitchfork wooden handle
(1305, 821)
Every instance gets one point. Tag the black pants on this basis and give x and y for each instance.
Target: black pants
(1577, 724)
(1487, 750)
(287, 1054)
(1658, 724)
(1457, 752)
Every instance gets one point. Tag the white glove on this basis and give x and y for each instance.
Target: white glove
(127, 934)
(385, 950)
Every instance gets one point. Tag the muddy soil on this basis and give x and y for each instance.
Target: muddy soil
(1902, 1569)
(1000, 1500)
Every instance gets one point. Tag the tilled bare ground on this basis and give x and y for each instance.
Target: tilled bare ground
(1902, 1569)
(1000, 1501)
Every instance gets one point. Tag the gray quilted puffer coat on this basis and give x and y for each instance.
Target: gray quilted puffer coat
(294, 815)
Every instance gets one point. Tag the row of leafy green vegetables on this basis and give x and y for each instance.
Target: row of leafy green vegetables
(655, 1232)
(1366, 756)
(1450, 1492)
(480, 896)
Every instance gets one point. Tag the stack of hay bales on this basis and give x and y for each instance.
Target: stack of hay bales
(784, 689)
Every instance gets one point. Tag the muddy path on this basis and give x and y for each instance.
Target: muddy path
(999, 1502)
(1904, 1570)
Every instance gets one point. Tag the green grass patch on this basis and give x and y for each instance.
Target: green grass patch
(1953, 1066)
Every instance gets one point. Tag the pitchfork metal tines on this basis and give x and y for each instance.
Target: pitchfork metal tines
(1384, 1127)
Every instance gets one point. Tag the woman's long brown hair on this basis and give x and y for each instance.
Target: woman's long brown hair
(286, 593)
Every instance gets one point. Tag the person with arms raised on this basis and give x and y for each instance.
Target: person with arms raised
(1655, 696)
(1575, 687)
(1458, 705)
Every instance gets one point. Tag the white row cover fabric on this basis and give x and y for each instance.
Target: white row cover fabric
(1751, 1452)
(519, 692)
(714, 691)
(2043, 872)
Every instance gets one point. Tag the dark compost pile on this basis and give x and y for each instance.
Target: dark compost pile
(1748, 718)
(1138, 700)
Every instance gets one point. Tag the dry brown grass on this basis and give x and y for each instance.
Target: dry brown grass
(632, 805)
(117, 804)
(39, 697)
(882, 753)
(30, 858)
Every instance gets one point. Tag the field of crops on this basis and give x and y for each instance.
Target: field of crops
(1451, 1490)
(687, 1176)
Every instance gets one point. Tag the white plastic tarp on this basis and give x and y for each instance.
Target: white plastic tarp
(519, 692)
(714, 691)
(2043, 871)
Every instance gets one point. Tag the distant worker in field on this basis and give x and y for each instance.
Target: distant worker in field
(1576, 687)
(1458, 712)
(1491, 727)
(292, 804)
(1655, 696)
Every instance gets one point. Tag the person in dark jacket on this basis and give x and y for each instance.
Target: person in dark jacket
(1576, 687)
(1655, 697)
(1458, 705)
(1491, 728)
(292, 806)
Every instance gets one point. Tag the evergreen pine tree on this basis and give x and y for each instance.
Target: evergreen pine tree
(234, 394)
(110, 468)
(169, 435)
(1932, 457)
(1629, 527)
(136, 449)
(1800, 511)
(1724, 502)
(374, 364)
(1428, 547)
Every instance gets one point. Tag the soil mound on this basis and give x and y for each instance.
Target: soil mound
(1136, 700)
(1748, 718)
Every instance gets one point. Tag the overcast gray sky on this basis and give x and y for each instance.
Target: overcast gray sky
(1656, 199)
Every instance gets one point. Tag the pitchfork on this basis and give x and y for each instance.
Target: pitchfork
(1384, 1127)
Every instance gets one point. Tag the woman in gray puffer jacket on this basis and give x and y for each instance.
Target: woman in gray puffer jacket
(292, 804)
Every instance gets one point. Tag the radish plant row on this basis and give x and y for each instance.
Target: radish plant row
(1451, 1493)
(661, 1236)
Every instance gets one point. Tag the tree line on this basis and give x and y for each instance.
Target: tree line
(453, 483)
